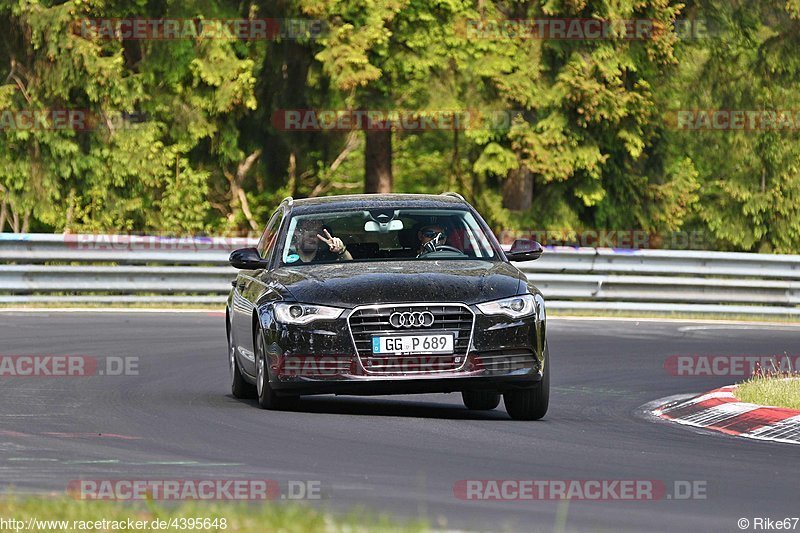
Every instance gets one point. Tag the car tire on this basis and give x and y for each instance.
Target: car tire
(267, 398)
(239, 387)
(478, 400)
(530, 404)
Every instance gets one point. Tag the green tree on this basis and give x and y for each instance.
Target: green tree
(116, 174)
(750, 177)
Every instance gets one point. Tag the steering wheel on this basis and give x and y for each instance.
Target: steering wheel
(448, 248)
(442, 248)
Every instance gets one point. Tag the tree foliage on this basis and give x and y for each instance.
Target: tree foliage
(181, 136)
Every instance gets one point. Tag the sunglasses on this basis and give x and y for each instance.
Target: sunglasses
(432, 233)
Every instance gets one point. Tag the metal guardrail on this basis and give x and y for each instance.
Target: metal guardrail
(122, 269)
(36, 248)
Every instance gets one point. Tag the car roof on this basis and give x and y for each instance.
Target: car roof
(376, 201)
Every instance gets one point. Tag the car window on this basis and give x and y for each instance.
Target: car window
(270, 236)
(387, 234)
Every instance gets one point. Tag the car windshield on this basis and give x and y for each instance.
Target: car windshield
(385, 235)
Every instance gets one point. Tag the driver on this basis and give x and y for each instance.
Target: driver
(315, 243)
(430, 237)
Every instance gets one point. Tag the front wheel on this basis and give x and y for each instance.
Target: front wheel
(267, 398)
(478, 400)
(239, 387)
(530, 404)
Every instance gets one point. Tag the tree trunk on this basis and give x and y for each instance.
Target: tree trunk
(292, 185)
(518, 190)
(455, 163)
(378, 161)
(26, 221)
(70, 212)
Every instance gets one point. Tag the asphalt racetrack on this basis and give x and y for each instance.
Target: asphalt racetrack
(398, 455)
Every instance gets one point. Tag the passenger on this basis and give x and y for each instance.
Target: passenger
(314, 242)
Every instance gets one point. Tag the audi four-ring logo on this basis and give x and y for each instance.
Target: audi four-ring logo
(410, 319)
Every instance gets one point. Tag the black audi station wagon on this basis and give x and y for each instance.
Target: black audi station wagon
(387, 294)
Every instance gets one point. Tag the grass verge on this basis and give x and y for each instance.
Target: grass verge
(77, 515)
(775, 391)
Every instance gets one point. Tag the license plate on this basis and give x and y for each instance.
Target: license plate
(411, 344)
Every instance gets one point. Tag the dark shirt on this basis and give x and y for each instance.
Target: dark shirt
(323, 255)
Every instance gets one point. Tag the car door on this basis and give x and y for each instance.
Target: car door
(248, 289)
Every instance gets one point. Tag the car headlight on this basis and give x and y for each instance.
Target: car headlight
(541, 313)
(294, 313)
(515, 307)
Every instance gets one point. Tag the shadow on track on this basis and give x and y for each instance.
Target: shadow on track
(377, 406)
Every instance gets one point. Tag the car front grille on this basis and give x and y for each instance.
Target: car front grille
(367, 322)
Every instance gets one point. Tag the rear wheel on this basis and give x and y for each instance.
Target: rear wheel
(267, 398)
(530, 404)
(478, 400)
(239, 387)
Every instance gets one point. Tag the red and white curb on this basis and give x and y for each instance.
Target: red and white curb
(719, 410)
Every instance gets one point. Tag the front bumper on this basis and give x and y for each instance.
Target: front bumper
(320, 358)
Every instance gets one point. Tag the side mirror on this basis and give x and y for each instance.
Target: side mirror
(247, 259)
(525, 250)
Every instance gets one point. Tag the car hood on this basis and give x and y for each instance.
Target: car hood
(349, 284)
